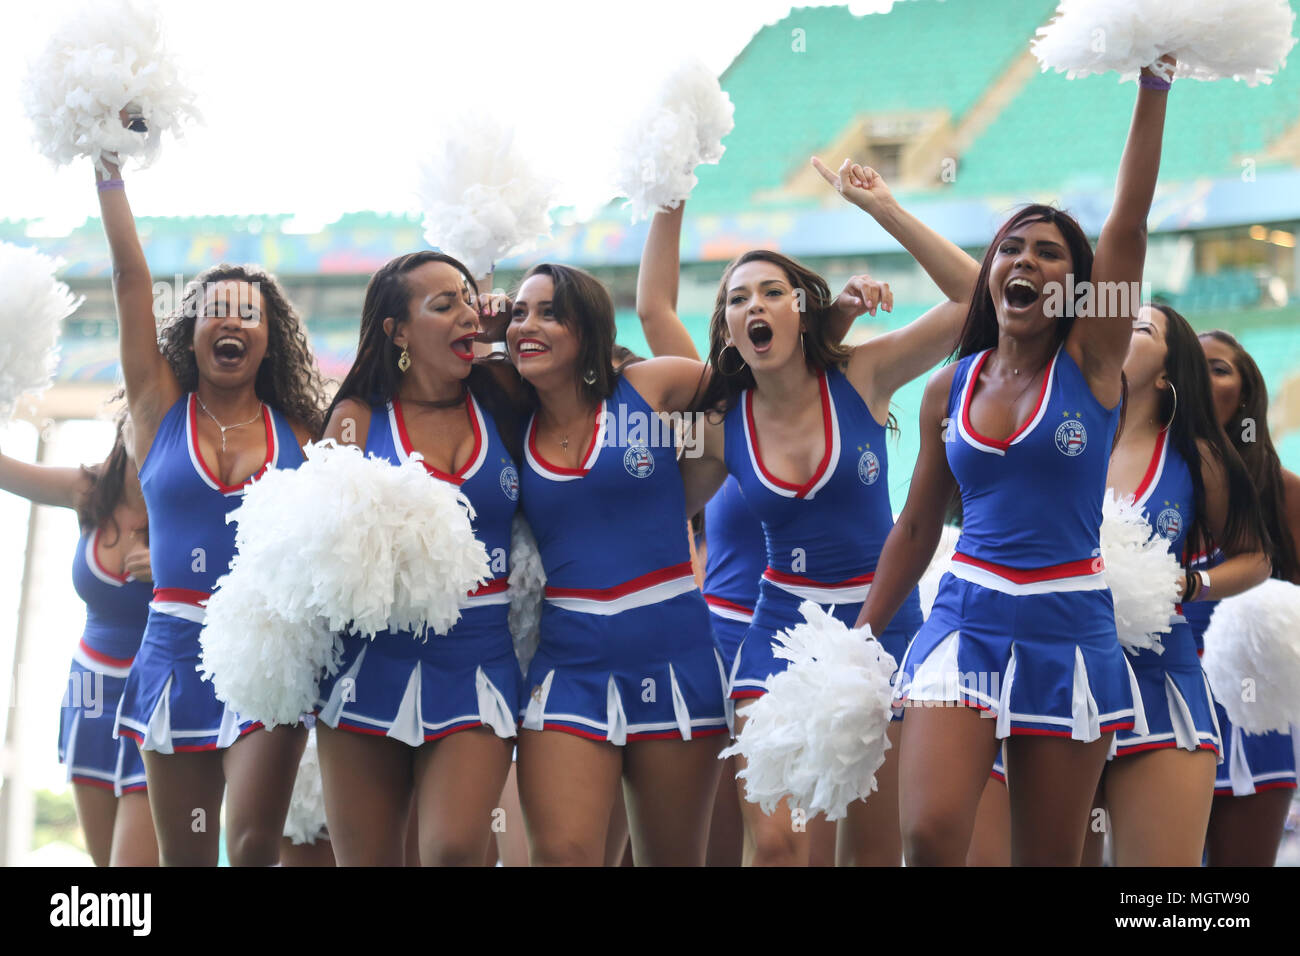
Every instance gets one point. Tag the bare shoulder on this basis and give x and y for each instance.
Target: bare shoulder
(349, 423)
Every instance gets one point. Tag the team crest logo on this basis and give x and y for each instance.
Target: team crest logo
(1169, 523)
(868, 468)
(639, 462)
(1071, 438)
(510, 482)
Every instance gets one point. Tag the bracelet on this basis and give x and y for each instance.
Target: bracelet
(110, 184)
(1191, 584)
(1154, 83)
(1205, 582)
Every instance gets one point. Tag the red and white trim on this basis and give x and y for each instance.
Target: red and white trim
(995, 446)
(639, 592)
(557, 472)
(201, 467)
(1155, 469)
(101, 663)
(830, 456)
(1088, 574)
(405, 451)
(495, 591)
(181, 602)
(729, 610)
(97, 567)
(854, 590)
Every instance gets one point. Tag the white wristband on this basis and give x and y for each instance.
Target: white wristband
(1205, 583)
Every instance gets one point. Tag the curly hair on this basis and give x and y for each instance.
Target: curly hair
(287, 380)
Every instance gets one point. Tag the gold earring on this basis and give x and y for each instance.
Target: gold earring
(1175, 411)
(404, 360)
(590, 376)
(736, 371)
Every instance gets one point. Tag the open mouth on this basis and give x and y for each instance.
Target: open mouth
(229, 351)
(760, 335)
(1020, 294)
(464, 346)
(530, 348)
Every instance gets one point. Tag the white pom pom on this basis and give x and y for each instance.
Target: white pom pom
(679, 129)
(818, 734)
(1252, 657)
(1143, 575)
(527, 584)
(928, 586)
(363, 543)
(482, 197)
(108, 57)
(1212, 39)
(33, 305)
(305, 821)
(265, 666)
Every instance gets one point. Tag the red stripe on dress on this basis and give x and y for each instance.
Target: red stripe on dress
(627, 587)
(1071, 569)
(181, 596)
(94, 553)
(456, 477)
(224, 488)
(1152, 467)
(557, 469)
(495, 586)
(827, 434)
(784, 577)
(1003, 443)
(715, 601)
(102, 658)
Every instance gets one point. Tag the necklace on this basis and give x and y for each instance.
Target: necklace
(225, 428)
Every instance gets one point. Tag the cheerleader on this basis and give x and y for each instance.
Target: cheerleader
(1257, 778)
(805, 534)
(1175, 461)
(1022, 627)
(225, 390)
(625, 684)
(430, 719)
(110, 572)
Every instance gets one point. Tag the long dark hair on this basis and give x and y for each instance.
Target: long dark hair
(820, 350)
(1194, 422)
(1260, 457)
(583, 305)
(287, 379)
(980, 331)
(375, 378)
(107, 486)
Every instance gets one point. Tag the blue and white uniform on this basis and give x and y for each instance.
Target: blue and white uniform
(420, 689)
(1175, 692)
(737, 557)
(1251, 763)
(165, 705)
(1023, 625)
(626, 650)
(822, 538)
(117, 606)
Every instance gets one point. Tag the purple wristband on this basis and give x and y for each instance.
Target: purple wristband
(110, 184)
(1154, 83)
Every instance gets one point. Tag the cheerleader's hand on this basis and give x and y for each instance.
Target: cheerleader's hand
(862, 294)
(138, 566)
(860, 185)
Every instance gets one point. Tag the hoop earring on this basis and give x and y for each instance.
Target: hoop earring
(736, 371)
(803, 345)
(1175, 411)
(590, 376)
(404, 360)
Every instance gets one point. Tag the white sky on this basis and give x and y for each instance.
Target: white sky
(322, 108)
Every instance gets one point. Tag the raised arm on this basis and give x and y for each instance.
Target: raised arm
(656, 287)
(1100, 342)
(151, 387)
(44, 484)
(911, 543)
(883, 365)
